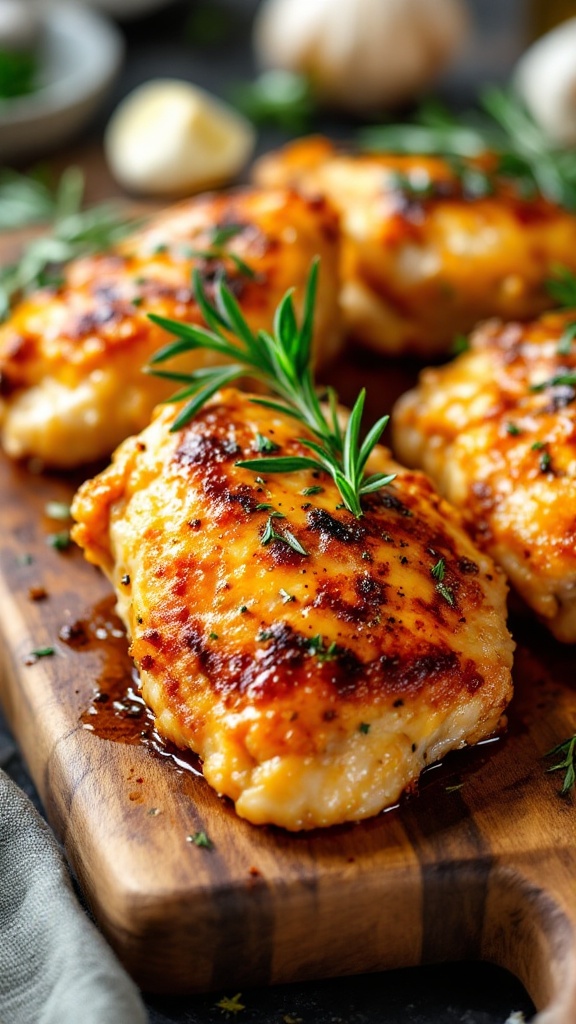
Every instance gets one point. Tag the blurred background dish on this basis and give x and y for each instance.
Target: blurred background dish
(126, 9)
(80, 53)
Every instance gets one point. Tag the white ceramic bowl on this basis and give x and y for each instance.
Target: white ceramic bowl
(80, 55)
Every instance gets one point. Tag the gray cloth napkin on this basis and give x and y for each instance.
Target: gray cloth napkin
(55, 967)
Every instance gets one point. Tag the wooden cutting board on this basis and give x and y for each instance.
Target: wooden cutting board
(482, 863)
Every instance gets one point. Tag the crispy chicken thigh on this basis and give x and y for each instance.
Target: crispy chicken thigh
(314, 661)
(428, 252)
(496, 432)
(71, 381)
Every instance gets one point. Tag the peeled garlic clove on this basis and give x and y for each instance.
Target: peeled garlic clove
(361, 54)
(170, 138)
(545, 78)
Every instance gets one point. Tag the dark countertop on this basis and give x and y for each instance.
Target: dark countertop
(176, 42)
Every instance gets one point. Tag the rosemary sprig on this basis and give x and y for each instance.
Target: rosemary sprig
(505, 129)
(280, 360)
(75, 232)
(568, 748)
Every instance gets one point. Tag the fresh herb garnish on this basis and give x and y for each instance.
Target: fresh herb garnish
(221, 234)
(264, 444)
(18, 70)
(287, 537)
(321, 650)
(364, 728)
(281, 361)
(309, 491)
(60, 541)
(545, 462)
(513, 430)
(76, 232)
(200, 839)
(42, 652)
(438, 571)
(567, 379)
(562, 287)
(277, 97)
(460, 344)
(568, 748)
(523, 153)
(286, 597)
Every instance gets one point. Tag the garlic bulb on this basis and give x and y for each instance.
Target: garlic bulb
(545, 78)
(361, 54)
(169, 138)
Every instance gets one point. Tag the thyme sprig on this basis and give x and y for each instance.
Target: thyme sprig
(281, 360)
(568, 764)
(75, 232)
(504, 129)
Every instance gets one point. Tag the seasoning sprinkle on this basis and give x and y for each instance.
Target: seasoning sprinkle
(200, 839)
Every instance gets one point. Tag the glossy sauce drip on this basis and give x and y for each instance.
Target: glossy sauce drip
(117, 710)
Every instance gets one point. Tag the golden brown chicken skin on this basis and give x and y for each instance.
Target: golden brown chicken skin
(317, 672)
(496, 432)
(426, 255)
(71, 381)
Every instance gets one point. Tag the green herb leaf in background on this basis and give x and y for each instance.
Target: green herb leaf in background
(504, 128)
(75, 232)
(277, 97)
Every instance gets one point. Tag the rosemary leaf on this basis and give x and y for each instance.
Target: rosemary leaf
(282, 362)
(505, 129)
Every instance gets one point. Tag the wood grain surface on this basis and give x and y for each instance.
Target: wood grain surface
(481, 863)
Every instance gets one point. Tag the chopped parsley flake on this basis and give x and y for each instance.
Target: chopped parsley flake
(59, 541)
(42, 652)
(309, 491)
(264, 444)
(317, 646)
(513, 430)
(200, 839)
(364, 728)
